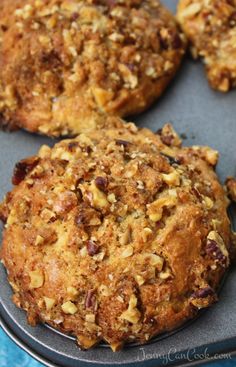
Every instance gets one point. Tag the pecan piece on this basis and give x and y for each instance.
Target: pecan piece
(90, 299)
(215, 248)
(171, 160)
(203, 293)
(88, 217)
(92, 248)
(22, 168)
(101, 183)
(203, 297)
(168, 136)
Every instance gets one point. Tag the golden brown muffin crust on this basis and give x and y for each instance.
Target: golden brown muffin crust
(116, 235)
(63, 64)
(210, 26)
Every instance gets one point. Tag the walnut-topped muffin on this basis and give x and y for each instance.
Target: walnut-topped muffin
(66, 63)
(116, 235)
(210, 26)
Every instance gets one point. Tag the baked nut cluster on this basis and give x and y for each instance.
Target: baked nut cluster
(66, 63)
(116, 235)
(210, 26)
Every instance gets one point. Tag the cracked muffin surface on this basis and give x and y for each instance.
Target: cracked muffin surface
(210, 26)
(116, 235)
(66, 63)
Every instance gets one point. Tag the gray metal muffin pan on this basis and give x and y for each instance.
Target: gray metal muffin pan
(205, 117)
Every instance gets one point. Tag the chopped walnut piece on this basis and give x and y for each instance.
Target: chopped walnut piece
(36, 278)
(49, 303)
(102, 96)
(48, 215)
(155, 210)
(130, 79)
(172, 178)
(166, 274)
(39, 240)
(92, 248)
(90, 318)
(203, 292)
(111, 198)
(146, 234)
(132, 314)
(88, 217)
(172, 160)
(124, 238)
(169, 136)
(208, 202)
(209, 155)
(216, 247)
(127, 252)
(154, 260)
(140, 280)
(22, 169)
(203, 297)
(69, 308)
(99, 199)
(101, 183)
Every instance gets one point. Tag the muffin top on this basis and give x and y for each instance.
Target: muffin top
(211, 28)
(116, 235)
(65, 63)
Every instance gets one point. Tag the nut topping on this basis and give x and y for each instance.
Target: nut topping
(155, 210)
(203, 293)
(132, 314)
(69, 308)
(99, 199)
(22, 169)
(171, 160)
(92, 248)
(49, 303)
(90, 300)
(216, 248)
(123, 143)
(36, 279)
(101, 183)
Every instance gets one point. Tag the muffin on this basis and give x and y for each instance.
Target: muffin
(211, 28)
(66, 63)
(116, 235)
